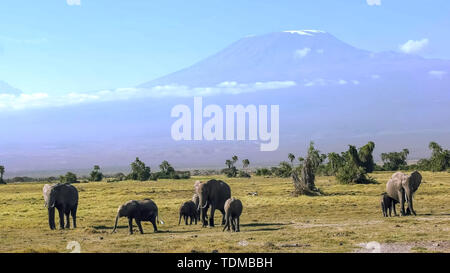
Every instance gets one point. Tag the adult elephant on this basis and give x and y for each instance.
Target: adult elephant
(63, 197)
(401, 187)
(214, 194)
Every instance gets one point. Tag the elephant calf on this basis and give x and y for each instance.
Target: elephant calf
(388, 203)
(143, 210)
(233, 210)
(63, 197)
(188, 210)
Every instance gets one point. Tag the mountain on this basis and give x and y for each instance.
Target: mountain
(327, 91)
(5, 88)
(303, 56)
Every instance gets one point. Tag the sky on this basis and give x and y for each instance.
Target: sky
(62, 46)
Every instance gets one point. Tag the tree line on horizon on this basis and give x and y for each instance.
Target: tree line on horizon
(351, 166)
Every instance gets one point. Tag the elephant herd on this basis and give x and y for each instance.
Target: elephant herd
(211, 195)
(214, 194)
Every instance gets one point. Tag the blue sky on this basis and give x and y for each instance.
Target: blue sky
(53, 47)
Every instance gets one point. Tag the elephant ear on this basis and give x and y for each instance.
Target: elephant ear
(414, 180)
(46, 193)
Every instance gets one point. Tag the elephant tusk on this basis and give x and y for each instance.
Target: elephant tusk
(205, 205)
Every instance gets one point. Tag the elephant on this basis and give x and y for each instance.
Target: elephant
(233, 210)
(141, 210)
(401, 187)
(214, 194)
(63, 197)
(188, 210)
(388, 204)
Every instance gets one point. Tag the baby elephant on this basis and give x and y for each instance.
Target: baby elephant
(388, 203)
(233, 210)
(188, 210)
(142, 210)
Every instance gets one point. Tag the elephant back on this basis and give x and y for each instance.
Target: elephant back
(219, 191)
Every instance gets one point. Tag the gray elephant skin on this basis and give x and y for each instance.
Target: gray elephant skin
(387, 205)
(401, 187)
(188, 211)
(233, 210)
(214, 194)
(139, 210)
(63, 197)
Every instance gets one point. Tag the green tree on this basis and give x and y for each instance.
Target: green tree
(68, 178)
(2, 172)
(366, 158)
(96, 175)
(291, 158)
(245, 163)
(393, 161)
(166, 168)
(305, 184)
(440, 158)
(139, 171)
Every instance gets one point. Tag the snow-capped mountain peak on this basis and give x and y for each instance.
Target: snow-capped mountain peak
(308, 32)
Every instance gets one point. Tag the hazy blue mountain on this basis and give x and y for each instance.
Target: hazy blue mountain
(341, 95)
(5, 88)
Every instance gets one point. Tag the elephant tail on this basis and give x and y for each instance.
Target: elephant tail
(115, 225)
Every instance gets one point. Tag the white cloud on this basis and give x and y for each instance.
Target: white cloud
(73, 2)
(43, 100)
(411, 46)
(320, 51)
(342, 82)
(375, 76)
(301, 53)
(373, 2)
(355, 82)
(437, 74)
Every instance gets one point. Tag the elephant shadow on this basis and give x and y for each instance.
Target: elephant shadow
(265, 226)
(106, 227)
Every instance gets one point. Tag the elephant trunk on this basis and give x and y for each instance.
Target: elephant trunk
(115, 225)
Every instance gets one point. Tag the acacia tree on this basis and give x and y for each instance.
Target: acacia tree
(305, 184)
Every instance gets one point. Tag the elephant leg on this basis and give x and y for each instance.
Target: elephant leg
(409, 196)
(393, 208)
(211, 217)
(130, 225)
(153, 221)
(227, 224)
(233, 224)
(74, 217)
(190, 217)
(61, 218)
(51, 218)
(67, 219)
(402, 203)
(138, 223)
(238, 225)
(186, 220)
(179, 220)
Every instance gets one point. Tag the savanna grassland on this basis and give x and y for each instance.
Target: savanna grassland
(272, 221)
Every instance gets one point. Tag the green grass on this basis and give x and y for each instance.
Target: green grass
(272, 221)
